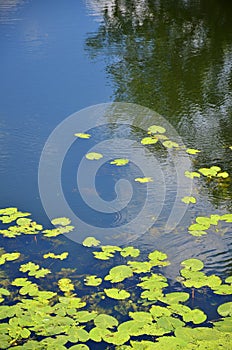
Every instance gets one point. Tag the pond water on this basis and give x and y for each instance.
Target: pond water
(172, 61)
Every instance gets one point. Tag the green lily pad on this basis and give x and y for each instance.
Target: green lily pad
(97, 333)
(9, 257)
(159, 311)
(85, 316)
(119, 273)
(140, 266)
(65, 285)
(91, 242)
(93, 156)
(192, 151)
(170, 144)
(61, 221)
(153, 129)
(175, 297)
(149, 140)
(226, 217)
(116, 338)
(143, 180)
(225, 309)
(189, 199)
(82, 135)
(61, 256)
(196, 316)
(223, 289)
(93, 280)
(103, 255)
(130, 251)
(115, 293)
(229, 280)
(193, 264)
(141, 316)
(191, 174)
(105, 321)
(120, 161)
(79, 347)
(223, 174)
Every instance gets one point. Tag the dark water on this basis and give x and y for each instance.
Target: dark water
(174, 57)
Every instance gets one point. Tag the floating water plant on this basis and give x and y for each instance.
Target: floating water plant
(144, 179)
(192, 151)
(82, 135)
(149, 140)
(35, 317)
(93, 156)
(61, 256)
(189, 199)
(120, 161)
(91, 242)
(170, 144)
(9, 257)
(191, 174)
(153, 129)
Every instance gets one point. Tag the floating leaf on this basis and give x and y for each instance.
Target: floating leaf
(209, 172)
(65, 285)
(85, 316)
(82, 135)
(93, 156)
(196, 316)
(141, 316)
(192, 151)
(229, 280)
(140, 266)
(223, 174)
(9, 257)
(119, 273)
(118, 294)
(191, 174)
(97, 334)
(34, 270)
(159, 311)
(193, 264)
(61, 256)
(175, 297)
(103, 255)
(93, 280)
(225, 309)
(223, 289)
(58, 231)
(105, 321)
(61, 221)
(144, 179)
(153, 129)
(188, 200)
(120, 161)
(157, 256)
(90, 242)
(149, 140)
(226, 217)
(130, 251)
(23, 221)
(170, 144)
(79, 347)
(116, 338)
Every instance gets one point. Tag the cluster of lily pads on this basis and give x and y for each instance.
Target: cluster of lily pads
(203, 223)
(74, 313)
(157, 134)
